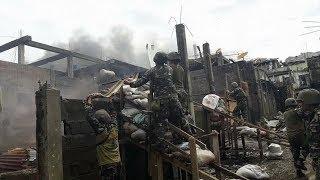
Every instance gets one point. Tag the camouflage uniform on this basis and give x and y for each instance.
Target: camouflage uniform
(165, 103)
(241, 109)
(178, 79)
(296, 136)
(106, 130)
(309, 100)
(313, 132)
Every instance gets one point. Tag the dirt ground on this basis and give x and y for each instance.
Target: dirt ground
(278, 169)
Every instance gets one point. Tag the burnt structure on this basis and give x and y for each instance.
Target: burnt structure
(314, 70)
(261, 98)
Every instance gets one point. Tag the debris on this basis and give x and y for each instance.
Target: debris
(274, 151)
(252, 171)
(214, 101)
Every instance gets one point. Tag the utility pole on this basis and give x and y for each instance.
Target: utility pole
(21, 50)
(182, 49)
(208, 66)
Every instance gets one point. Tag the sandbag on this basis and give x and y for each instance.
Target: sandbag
(252, 172)
(144, 102)
(129, 128)
(248, 131)
(139, 135)
(211, 101)
(105, 75)
(130, 112)
(139, 118)
(204, 157)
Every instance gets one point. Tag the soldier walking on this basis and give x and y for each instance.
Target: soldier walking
(178, 77)
(296, 135)
(239, 95)
(309, 100)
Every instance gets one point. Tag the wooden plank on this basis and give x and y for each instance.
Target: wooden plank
(14, 43)
(216, 150)
(159, 167)
(194, 158)
(184, 134)
(259, 144)
(208, 66)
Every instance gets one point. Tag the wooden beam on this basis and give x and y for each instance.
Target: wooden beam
(48, 60)
(184, 134)
(15, 43)
(216, 149)
(194, 158)
(208, 66)
(182, 49)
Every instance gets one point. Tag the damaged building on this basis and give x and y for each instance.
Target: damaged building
(259, 88)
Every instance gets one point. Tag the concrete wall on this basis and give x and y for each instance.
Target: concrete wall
(18, 84)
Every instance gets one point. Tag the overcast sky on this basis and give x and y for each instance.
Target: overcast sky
(264, 28)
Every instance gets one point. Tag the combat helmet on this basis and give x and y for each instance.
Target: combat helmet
(174, 56)
(309, 96)
(103, 116)
(160, 58)
(234, 85)
(290, 102)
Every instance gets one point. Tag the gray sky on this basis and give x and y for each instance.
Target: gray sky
(264, 28)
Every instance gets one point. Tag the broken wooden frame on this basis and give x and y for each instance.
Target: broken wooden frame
(232, 134)
(61, 53)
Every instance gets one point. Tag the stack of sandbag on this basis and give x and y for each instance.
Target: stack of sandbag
(134, 128)
(252, 172)
(204, 156)
(139, 96)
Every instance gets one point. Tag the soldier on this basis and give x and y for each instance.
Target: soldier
(296, 135)
(309, 99)
(239, 95)
(178, 76)
(106, 130)
(165, 103)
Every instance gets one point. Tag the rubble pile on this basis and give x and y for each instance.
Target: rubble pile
(17, 159)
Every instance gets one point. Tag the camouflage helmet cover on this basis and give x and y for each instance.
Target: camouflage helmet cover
(234, 85)
(174, 56)
(103, 115)
(290, 102)
(309, 96)
(160, 57)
